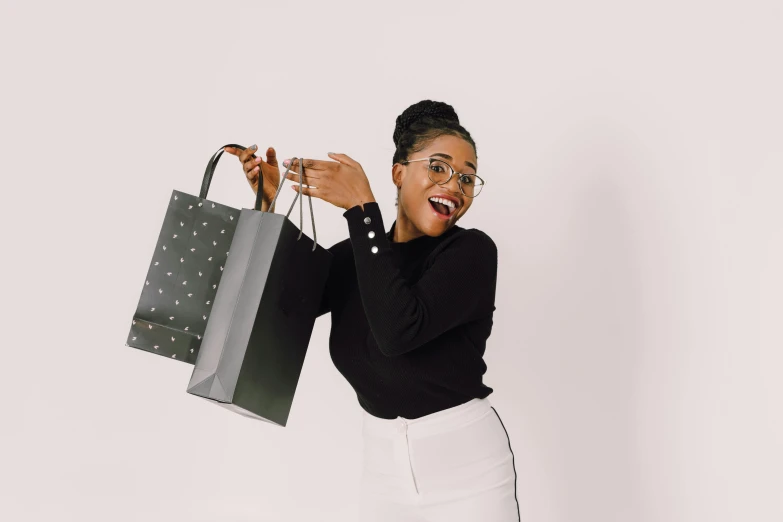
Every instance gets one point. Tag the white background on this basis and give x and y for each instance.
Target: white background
(633, 155)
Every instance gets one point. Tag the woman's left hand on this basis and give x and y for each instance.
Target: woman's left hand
(342, 182)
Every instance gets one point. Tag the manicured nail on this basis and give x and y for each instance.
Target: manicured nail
(253, 147)
(286, 162)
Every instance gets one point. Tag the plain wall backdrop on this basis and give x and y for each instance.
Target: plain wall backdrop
(633, 155)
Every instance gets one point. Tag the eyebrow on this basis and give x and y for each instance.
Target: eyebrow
(469, 164)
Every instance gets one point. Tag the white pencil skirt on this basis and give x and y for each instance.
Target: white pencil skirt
(452, 465)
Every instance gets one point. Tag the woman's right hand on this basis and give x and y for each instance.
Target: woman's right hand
(254, 166)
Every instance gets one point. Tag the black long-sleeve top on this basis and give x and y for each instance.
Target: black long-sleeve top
(410, 320)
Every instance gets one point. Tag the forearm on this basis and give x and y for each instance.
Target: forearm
(404, 316)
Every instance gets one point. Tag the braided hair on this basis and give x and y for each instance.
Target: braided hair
(423, 122)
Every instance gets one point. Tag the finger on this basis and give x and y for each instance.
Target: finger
(344, 159)
(294, 176)
(308, 164)
(232, 150)
(252, 163)
(271, 156)
(252, 174)
(247, 153)
(308, 191)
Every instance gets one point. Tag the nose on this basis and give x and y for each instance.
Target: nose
(453, 184)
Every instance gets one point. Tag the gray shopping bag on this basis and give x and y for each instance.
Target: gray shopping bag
(263, 314)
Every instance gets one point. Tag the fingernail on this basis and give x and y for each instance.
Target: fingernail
(253, 147)
(286, 162)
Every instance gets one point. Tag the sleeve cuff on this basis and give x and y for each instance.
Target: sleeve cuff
(366, 230)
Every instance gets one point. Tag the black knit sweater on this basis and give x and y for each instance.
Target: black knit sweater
(410, 320)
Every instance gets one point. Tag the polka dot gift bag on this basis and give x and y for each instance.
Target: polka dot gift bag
(186, 269)
(263, 313)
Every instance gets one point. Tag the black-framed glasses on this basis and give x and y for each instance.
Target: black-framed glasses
(441, 172)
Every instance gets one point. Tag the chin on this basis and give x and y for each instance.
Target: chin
(434, 226)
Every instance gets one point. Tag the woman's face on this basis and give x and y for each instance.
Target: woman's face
(417, 190)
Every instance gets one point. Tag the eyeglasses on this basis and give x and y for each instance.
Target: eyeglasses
(441, 173)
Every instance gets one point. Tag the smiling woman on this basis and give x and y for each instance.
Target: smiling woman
(433, 155)
(411, 311)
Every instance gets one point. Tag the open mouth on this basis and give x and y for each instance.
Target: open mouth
(443, 207)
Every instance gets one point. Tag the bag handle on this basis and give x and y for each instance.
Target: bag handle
(309, 198)
(210, 171)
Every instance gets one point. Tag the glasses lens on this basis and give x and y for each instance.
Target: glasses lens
(439, 171)
(471, 184)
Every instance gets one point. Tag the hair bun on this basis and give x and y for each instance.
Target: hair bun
(423, 109)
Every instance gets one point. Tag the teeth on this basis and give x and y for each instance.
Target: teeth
(443, 201)
(450, 204)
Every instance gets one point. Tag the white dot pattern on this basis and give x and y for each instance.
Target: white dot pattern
(183, 277)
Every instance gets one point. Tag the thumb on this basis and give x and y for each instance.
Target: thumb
(271, 156)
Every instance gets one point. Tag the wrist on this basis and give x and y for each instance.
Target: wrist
(362, 200)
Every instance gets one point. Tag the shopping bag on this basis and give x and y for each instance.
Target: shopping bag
(185, 272)
(263, 314)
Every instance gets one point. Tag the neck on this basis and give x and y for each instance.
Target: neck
(404, 230)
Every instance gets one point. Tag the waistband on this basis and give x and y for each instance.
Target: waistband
(437, 422)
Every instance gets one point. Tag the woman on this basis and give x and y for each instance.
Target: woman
(411, 313)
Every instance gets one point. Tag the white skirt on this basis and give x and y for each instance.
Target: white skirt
(452, 465)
